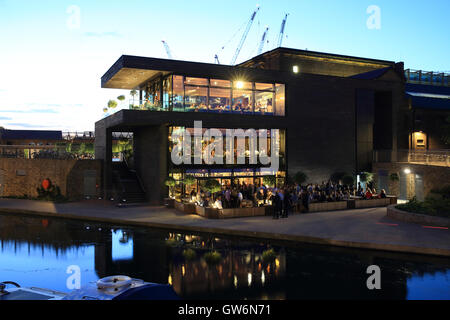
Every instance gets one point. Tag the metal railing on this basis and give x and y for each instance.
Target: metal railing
(427, 77)
(426, 157)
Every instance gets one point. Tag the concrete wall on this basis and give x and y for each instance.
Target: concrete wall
(150, 156)
(434, 177)
(21, 177)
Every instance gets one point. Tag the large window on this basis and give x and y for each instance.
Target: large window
(219, 100)
(190, 94)
(195, 98)
(242, 101)
(178, 94)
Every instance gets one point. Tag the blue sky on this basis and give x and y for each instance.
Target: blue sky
(51, 65)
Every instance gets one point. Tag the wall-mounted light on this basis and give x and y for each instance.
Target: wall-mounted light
(407, 170)
(295, 69)
(239, 84)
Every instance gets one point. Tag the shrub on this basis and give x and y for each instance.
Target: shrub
(269, 256)
(270, 180)
(212, 257)
(189, 254)
(49, 192)
(431, 206)
(300, 177)
(189, 180)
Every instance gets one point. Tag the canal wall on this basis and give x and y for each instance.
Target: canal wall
(75, 178)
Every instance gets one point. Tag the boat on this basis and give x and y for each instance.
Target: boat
(117, 287)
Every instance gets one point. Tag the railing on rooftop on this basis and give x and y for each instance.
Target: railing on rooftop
(42, 152)
(203, 107)
(427, 77)
(426, 157)
(90, 135)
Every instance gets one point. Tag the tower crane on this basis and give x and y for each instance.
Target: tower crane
(244, 36)
(166, 46)
(281, 35)
(263, 41)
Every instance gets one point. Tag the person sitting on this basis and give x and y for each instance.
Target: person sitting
(383, 194)
(368, 195)
(218, 204)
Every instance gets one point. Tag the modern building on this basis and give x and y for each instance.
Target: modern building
(331, 112)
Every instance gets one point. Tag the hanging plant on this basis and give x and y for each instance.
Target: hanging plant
(189, 180)
(270, 181)
(394, 176)
(366, 177)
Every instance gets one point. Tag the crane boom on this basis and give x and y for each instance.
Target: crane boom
(263, 41)
(283, 25)
(244, 36)
(166, 46)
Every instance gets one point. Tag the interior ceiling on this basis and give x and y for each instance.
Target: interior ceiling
(130, 78)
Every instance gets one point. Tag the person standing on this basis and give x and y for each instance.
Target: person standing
(277, 205)
(287, 204)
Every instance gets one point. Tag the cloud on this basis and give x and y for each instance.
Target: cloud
(30, 111)
(112, 34)
(5, 118)
(26, 125)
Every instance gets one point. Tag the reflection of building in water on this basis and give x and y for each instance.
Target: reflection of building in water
(243, 270)
(298, 272)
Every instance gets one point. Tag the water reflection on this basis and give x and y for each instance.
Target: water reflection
(37, 252)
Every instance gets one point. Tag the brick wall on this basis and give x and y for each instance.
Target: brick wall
(19, 177)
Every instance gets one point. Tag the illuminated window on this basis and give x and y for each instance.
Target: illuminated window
(295, 69)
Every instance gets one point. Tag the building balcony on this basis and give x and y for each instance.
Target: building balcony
(425, 157)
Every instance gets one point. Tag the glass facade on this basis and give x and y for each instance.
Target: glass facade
(190, 94)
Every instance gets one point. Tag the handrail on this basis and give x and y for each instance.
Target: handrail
(141, 184)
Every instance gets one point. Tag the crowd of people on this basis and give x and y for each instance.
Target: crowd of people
(285, 200)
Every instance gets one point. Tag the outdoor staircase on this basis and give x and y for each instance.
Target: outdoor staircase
(128, 186)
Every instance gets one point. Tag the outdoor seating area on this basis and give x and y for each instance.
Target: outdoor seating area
(249, 200)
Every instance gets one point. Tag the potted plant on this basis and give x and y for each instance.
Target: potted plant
(270, 181)
(170, 182)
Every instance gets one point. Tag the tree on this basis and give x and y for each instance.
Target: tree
(133, 94)
(366, 177)
(270, 181)
(121, 98)
(300, 177)
(112, 104)
(170, 182)
(212, 186)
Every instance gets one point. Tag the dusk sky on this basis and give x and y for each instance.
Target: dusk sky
(53, 53)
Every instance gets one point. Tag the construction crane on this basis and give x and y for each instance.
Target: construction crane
(244, 36)
(166, 46)
(263, 41)
(281, 35)
(216, 59)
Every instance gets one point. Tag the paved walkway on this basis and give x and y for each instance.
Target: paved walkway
(361, 228)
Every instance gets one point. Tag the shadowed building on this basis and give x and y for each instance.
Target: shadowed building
(331, 111)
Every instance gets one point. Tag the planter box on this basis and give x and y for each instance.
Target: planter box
(169, 203)
(211, 213)
(373, 203)
(188, 208)
(327, 206)
(418, 218)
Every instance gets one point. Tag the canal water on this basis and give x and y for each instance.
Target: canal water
(41, 252)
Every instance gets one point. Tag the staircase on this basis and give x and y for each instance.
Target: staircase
(129, 189)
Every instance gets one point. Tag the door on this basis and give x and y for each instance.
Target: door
(418, 185)
(90, 183)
